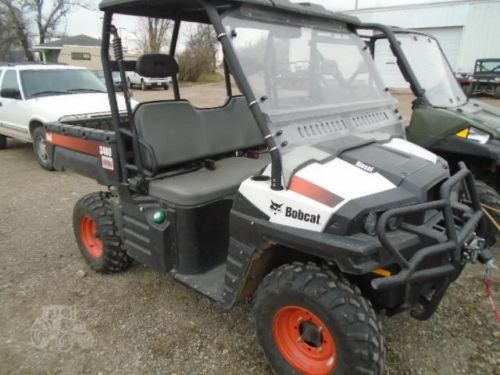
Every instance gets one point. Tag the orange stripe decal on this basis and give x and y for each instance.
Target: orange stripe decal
(73, 143)
(314, 192)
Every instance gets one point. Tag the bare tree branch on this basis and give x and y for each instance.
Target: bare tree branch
(152, 34)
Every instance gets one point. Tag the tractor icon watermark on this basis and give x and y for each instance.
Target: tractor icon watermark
(59, 328)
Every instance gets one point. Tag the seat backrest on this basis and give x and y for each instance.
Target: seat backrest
(177, 132)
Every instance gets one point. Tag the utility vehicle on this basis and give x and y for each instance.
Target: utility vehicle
(303, 198)
(32, 95)
(444, 120)
(485, 79)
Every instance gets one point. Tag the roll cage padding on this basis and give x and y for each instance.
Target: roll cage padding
(177, 132)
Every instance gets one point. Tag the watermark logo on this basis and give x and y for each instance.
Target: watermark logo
(59, 328)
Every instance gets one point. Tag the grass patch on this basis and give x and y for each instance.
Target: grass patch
(210, 78)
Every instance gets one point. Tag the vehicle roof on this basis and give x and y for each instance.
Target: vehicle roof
(191, 10)
(28, 66)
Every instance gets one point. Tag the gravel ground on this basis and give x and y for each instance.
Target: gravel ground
(141, 322)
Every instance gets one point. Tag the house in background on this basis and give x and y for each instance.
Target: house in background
(79, 50)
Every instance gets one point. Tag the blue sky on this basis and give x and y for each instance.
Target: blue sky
(89, 22)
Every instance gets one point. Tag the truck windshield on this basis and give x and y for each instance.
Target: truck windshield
(309, 78)
(488, 66)
(49, 82)
(430, 67)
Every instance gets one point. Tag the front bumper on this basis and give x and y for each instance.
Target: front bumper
(443, 257)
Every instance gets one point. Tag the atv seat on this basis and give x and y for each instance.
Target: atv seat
(175, 132)
(203, 186)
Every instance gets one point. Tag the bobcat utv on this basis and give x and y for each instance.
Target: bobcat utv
(444, 120)
(301, 196)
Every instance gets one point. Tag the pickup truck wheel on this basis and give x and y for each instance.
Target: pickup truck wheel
(97, 234)
(165, 87)
(491, 203)
(311, 321)
(3, 142)
(497, 92)
(40, 149)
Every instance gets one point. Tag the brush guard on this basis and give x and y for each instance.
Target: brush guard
(459, 243)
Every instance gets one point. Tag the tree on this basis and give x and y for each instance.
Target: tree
(30, 18)
(200, 54)
(152, 34)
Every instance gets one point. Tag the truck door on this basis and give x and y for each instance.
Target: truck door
(11, 107)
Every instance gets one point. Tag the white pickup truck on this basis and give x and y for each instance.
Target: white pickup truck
(145, 83)
(32, 95)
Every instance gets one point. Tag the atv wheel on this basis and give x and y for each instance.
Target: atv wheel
(491, 203)
(40, 149)
(497, 92)
(467, 89)
(3, 142)
(97, 234)
(310, 321)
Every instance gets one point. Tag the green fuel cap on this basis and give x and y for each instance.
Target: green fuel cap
(159, 217)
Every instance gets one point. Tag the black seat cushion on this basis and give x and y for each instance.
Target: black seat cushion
(203, 186)
(177, 132)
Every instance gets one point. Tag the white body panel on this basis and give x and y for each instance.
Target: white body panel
(337, 176)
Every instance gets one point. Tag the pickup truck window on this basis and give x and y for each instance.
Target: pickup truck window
(50, 82)
(10, 86)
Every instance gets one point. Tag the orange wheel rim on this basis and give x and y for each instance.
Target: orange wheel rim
(305, 341)
(93, 244)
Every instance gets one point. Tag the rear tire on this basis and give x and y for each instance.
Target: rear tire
(309, 320)
(497, 92)
(467, 89)
(40, 149)
(97, 234)
(489, 197)
(3, 142)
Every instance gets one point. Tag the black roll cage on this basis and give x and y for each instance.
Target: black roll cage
(137, 179)
(389, 33)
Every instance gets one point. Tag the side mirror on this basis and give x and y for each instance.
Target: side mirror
(11, 94)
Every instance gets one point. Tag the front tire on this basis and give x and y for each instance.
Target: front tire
(40, 149)
(311, 321)
(490, 200)
(3, 142)
(497, 92)
(97, 234)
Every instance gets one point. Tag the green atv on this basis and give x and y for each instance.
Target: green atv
(444, 120)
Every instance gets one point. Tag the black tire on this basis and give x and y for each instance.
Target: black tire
(40, 149)
(347, 316)
(497, 92)
(467, 89)
(3, 142)
(112, 258)
(489, 197)
(165, 87)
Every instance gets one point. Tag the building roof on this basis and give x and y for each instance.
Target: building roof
(77, 40)
(191, 10)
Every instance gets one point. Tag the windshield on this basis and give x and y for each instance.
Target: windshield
(488, 66)
(48, 82)
(429, 65)
(310, 79)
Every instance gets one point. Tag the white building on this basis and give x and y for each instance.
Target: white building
(466, 30)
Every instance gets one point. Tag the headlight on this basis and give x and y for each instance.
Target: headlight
(475, 135)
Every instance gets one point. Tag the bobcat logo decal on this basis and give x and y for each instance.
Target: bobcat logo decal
(275, 207)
